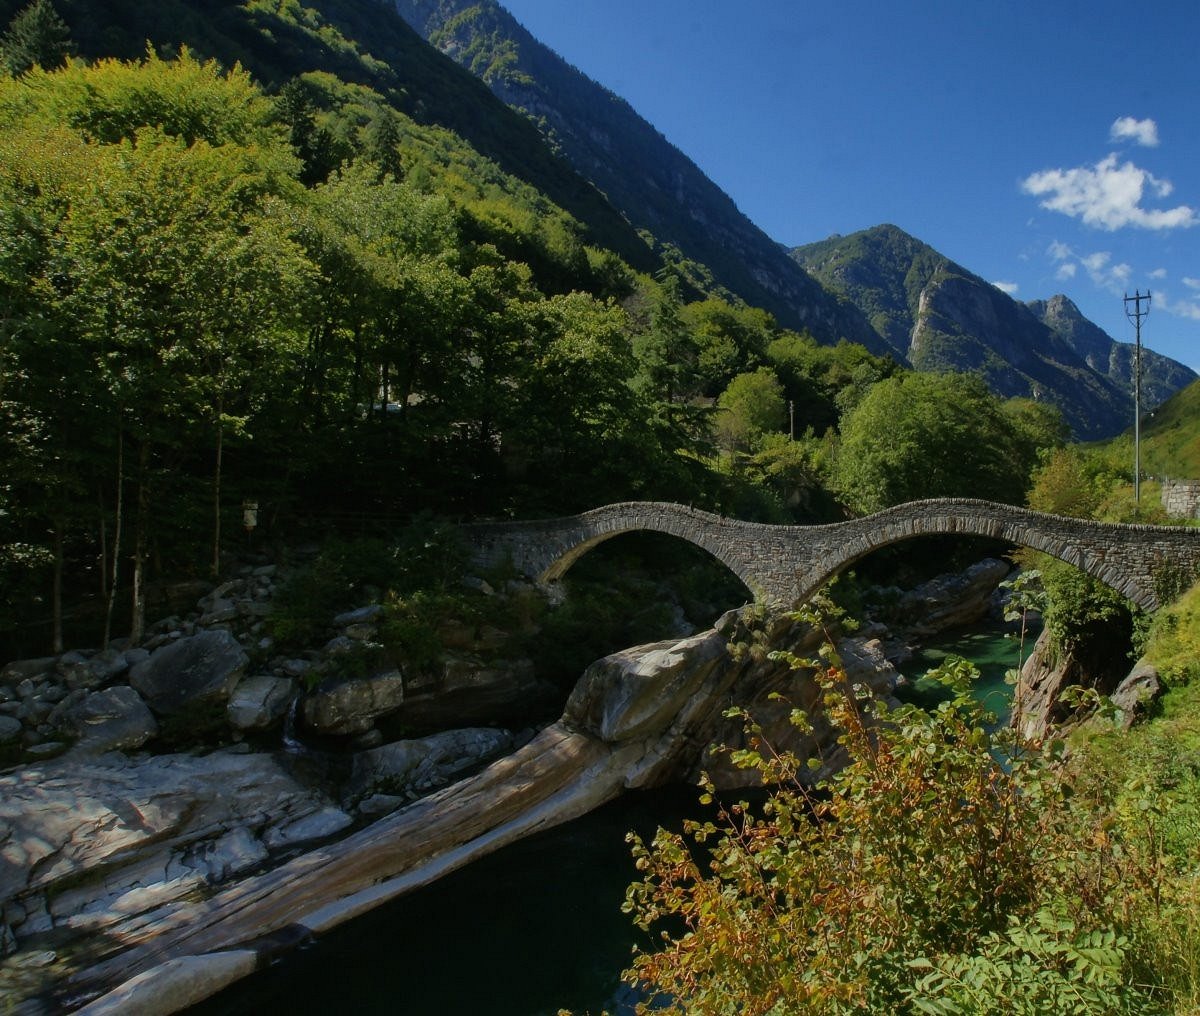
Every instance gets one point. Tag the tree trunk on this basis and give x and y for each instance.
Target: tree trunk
(137, 622)
(118, 521)
(216, 558)
(56, 594)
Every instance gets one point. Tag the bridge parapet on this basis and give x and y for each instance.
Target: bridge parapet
(785, 564)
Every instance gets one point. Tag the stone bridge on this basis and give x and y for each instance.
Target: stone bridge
(783, 565)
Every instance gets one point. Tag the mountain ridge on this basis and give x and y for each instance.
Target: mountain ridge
(655, 185)
(937, 315)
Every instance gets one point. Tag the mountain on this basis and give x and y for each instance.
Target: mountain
(1162, 377)
(936, 315)
(361, 43)
(654, 185)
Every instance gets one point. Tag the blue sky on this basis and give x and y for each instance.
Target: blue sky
(1050, 147)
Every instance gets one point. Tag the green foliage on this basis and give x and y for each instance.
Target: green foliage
(1043, 966)
(36, 37)
(751, 408)
(931, 435)
(923, 877)
(410, 630)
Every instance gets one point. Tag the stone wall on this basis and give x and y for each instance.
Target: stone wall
(1181, 499)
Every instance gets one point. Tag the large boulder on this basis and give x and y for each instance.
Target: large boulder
(260, 702)
(115, 719)
(351, 706)
(1137, 692)
(414, 766)
(196, 669)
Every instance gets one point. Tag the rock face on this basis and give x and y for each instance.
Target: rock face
(1036, 702)
(937, 315)
(647, 179)
(1137, 693)
(947, 601)
(85, 843)
(202, 667)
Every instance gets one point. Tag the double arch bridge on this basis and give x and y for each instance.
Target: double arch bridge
(784, 565)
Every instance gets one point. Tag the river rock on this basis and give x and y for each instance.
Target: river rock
(115, 719)
(18, 670)
(259, 702)
(361, 615)
(950, 600)
(1137, 692)
(107, 836)
(425, 763)
(471, 692)
(193, 669)
(351, 706)
(10, 729)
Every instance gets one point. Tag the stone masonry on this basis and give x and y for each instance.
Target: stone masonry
(783, 565)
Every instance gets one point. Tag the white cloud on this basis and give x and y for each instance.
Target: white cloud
(1066, 271)
(1108, 196)
(1158, 273)
(1059, 251)
(1102, 271)
(1007, 287)
(1191, 283)
(1186, 308)
(1143, 132)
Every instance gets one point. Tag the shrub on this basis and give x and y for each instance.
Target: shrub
(924, 876)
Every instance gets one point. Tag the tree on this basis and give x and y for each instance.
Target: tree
(36, 37)
(167, 282)
(928, 435)
(382, 141)
(750, 408)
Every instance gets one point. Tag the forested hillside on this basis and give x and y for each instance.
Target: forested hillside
(936, 315)
(657, 187)
(223, 286)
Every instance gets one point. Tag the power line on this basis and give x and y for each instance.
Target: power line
(1136, 316)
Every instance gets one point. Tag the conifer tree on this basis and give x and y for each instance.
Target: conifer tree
(37, 36)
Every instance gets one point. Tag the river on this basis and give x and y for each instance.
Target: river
(531, 929)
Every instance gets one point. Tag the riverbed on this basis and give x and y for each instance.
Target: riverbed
(532, 929)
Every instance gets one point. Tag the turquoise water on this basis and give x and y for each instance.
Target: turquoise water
(531, 929)
(992, 647)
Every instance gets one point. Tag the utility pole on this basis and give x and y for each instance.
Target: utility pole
(1135, 315)
(792, 419)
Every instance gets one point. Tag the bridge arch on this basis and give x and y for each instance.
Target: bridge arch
(785, 564)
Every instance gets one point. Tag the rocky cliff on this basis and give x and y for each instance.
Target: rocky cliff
(937, 315)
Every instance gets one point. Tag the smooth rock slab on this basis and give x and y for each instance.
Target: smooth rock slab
(198, 668)
(175, 985)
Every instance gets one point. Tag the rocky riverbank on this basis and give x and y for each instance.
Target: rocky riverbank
(109, 848)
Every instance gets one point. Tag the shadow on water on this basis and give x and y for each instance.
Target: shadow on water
(524, 932)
